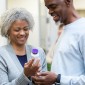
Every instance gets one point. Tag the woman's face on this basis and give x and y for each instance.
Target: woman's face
(19, 32)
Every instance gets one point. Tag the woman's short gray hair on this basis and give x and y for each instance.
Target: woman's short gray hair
(12, 15)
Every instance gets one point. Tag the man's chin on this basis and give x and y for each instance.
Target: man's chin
(57, 22)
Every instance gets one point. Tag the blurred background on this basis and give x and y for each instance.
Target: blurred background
(45, 30)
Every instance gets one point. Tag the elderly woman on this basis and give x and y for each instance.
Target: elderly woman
(16, 63)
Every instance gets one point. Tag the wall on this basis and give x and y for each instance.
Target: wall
(79, 4)
(3, 3)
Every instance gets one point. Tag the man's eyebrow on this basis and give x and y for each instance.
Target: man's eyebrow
(50, 5)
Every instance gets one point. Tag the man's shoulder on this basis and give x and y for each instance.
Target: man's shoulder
(82, 19)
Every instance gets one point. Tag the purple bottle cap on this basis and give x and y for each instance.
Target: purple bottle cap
(34, 51)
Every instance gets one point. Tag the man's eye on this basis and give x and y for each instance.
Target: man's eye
(53, 7)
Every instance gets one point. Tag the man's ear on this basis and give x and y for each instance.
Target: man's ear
(67, 2)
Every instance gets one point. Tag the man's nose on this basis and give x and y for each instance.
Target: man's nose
(50, 11)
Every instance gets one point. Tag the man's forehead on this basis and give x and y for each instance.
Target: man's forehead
(50, 2)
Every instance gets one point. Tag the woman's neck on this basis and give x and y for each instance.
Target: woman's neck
(19, 50)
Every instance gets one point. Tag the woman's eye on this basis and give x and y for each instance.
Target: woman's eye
(26, 28)
(17, 29)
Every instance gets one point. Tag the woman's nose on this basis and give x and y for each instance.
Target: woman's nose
(22, 32)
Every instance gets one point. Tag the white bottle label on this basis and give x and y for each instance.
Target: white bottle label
(35, 54)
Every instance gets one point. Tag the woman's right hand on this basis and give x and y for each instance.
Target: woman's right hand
(31, 68)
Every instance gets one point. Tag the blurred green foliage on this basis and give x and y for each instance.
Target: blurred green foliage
(48, 66)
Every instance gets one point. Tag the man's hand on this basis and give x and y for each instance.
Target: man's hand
(44, 78)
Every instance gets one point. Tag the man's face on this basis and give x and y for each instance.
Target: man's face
(57, 9)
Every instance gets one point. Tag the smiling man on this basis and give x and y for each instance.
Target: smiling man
(68, 65)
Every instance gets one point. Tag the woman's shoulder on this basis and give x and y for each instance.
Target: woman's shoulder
(2, 47)
(3, 52)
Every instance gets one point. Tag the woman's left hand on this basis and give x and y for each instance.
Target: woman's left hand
(31, 67)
